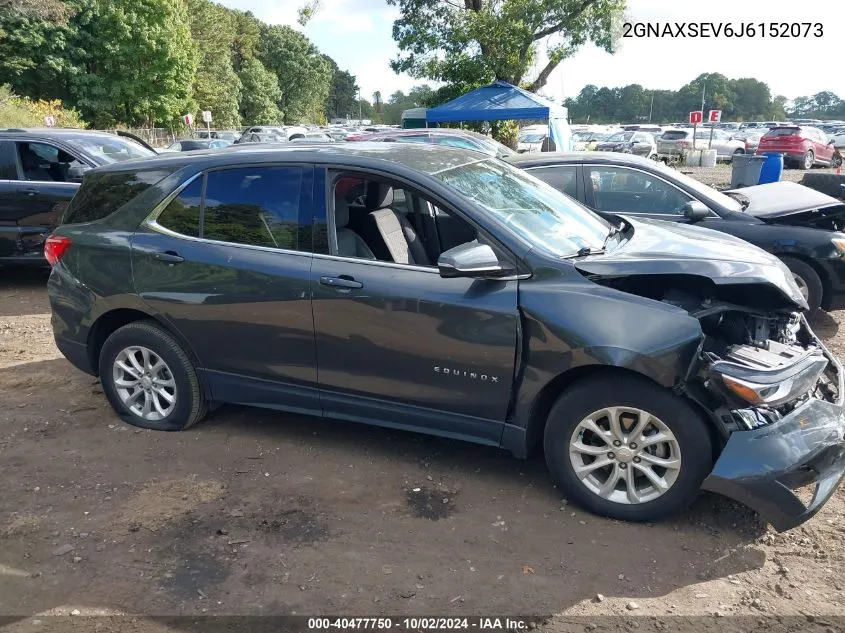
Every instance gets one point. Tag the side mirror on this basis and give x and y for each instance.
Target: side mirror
(695, 211)
(831, 142)
(471, 260)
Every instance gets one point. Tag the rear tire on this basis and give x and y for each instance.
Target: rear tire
(808, 281)
(164, 394)
(565, 437)
(808, 160)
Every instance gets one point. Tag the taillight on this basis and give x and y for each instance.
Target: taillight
(55, 248)
(684, 144)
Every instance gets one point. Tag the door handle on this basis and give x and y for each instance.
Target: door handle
(344, 282)
(30, 191)
(170, 257)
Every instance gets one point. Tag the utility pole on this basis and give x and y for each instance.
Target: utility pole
(359, 107)
(651, 108)
(703, 90)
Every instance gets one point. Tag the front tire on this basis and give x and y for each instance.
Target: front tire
(808, 282)
(149, 380)
(625, 448)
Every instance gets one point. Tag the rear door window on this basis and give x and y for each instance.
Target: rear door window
(182, 214)
(256, 206)
(564, 178)
(101, 194)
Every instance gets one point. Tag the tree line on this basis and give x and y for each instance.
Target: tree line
(148, 62)
(743, 99)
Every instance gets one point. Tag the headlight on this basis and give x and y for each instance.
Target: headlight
(769, 388)
(839, 244)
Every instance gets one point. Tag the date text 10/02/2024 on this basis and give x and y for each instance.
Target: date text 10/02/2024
(404, 623)
(722, 29)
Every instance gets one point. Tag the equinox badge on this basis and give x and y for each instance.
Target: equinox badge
(449, 371)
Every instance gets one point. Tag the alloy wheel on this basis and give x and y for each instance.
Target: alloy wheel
(809, 159)
(802, 286)
(144, 383)
(625, 455)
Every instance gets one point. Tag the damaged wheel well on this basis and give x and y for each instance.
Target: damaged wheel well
(557, 386)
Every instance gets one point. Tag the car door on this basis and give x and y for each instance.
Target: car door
(226, 261)
(643, 144)
(565, 178)
(37, 197)
(824, 150)
(399, 345)
(11, 205)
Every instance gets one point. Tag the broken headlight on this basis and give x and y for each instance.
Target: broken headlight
(761, 387)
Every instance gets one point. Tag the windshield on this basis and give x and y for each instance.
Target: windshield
(496, 148)
(533, 138)
(705, 192)
(112, 149)
(620, 137)
(535, 211)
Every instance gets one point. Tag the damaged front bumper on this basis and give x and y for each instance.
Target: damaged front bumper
(761, 467)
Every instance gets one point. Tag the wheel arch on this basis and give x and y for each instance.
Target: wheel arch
(112, 320)
(557, 386)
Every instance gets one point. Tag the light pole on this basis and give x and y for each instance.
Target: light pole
(651, 107)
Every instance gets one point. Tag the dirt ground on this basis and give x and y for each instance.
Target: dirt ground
(256, 512)
(720, 175)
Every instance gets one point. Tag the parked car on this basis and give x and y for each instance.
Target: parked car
(226, 135)
(672, 143)
(802, 146)
(751, 138)
(637, 143)
(587, 141)
(838, 138)
(440, 136)
(802, 227)
(192, 144)
(313, 137)
(432, 289)
(531, 142)
(643, 127)
(260, 137)
(40, 171)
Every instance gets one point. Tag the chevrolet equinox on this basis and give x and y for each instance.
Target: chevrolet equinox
(439, 290)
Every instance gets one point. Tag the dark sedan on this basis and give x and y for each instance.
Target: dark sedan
(193, 144)
(40, 171)
(803, 227)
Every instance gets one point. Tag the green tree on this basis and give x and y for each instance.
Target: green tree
(471, 42)
(752, 100)
(343, 91)
(138, 60)
(303, 74)
(777, 111)
(260, 95)
(216, 86)
(247, 37)
(377, 102)
(53, 10)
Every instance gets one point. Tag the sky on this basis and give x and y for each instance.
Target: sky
(357, 34)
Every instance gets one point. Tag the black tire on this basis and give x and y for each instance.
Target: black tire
(808, 160)
(828, 183)
(836, 161)
(810, 278)
(191, 405)
(593, 394)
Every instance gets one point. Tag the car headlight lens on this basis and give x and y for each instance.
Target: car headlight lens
(771, 388)
(839, 245)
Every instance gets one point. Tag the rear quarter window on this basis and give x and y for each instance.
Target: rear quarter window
(101, 194)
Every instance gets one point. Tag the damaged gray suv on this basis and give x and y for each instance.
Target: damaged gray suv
(438, 290)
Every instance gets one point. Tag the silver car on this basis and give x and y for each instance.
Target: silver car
(672, 143)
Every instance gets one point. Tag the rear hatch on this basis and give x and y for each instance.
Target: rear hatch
(674, 141)
(788, 140)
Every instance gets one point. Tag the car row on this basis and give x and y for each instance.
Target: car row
(442, 290)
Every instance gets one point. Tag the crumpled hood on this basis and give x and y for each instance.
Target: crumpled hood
(663, 248)
(778, 199)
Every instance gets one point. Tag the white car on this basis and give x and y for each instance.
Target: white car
(838, 138)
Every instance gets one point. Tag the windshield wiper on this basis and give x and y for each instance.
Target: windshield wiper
(584, 251)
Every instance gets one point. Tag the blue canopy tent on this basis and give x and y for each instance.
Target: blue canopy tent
(501, 101)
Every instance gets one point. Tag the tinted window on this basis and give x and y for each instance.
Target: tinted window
(101, 194)
(416, 138)
(784, 131)
(182, 215)
(562, 178)
(675, 135)
(8, 166)
(44, 162)
(622, 190)
(258, 206)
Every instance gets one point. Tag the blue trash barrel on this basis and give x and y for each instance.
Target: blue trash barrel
(772, 168)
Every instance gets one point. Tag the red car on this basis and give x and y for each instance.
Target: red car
(801, 145)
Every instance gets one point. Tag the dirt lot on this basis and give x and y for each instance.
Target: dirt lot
(255, 512)
(720, 175)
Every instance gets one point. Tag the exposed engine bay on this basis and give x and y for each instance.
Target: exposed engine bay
(755, 364)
